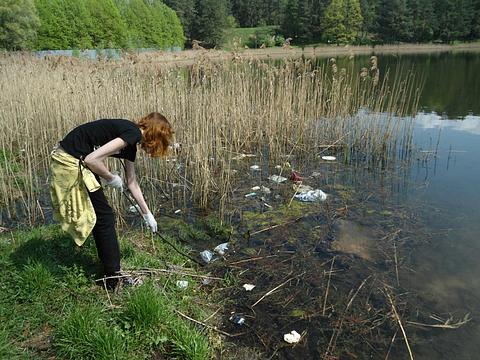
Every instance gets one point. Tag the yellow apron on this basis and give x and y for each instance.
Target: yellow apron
(69, 187)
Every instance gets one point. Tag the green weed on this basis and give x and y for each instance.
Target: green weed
(85, 334)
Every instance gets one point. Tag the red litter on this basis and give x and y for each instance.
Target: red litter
(295, 177)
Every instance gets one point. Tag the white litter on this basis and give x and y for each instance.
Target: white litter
(256, 188)
(292, 338)
(206, 255)
(237, 319)
(277, 178)
(265, 190)
(329, 158)
(250, 194)
(255, 167)
(178, 211)
(248, 287)
(311, 196)
(278, 167)
(182, 284)
(316, 174)
(220, 249)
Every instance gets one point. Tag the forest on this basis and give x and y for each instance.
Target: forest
(87, 24)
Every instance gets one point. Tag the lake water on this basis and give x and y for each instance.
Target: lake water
(447, 270)
(425, 213)
(444, 179)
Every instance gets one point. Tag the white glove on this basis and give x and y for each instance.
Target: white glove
(150, 221)
(116, 182)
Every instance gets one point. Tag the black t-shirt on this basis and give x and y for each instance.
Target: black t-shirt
(85, 138)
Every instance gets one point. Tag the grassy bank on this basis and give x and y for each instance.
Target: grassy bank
(52, 307)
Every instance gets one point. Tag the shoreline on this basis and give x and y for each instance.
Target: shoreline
(189, 57)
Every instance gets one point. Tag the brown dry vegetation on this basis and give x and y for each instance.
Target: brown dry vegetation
(219, 109)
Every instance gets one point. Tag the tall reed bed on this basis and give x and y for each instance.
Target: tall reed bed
(218, 109)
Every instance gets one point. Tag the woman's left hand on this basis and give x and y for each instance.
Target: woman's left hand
(150, 221)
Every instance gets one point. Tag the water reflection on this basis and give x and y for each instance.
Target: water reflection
(469, 124)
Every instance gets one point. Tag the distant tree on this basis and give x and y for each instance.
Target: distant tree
(18, 24)
(210, 22)
(369, 10)
(55, 32)
(139, 20)
(108, 28)
(334, 23)
(186, 11)
(353, 20)
(394, 21)
(79, 22)
(290, 19)
(317, 11)
(475, 31)
(423, 20)
(454, 19)
(170, 25)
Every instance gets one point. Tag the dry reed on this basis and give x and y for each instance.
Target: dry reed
(218, 109)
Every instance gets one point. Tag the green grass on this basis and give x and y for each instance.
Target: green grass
(50, 305)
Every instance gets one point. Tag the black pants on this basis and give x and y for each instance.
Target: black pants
(104, 233)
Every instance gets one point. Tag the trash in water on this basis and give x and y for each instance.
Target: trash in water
(182, 284)
(256, 188)
(292, 338)
(295, 177)
(178, 211)
(206, 255)
(277, 178)
(255, 167)
(237, 319)
(220, 249)
(265, 190)
(250, 194)
(248, 287)
(329, 158)
(312, 195)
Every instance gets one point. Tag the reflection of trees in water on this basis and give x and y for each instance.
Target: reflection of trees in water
(452, 80)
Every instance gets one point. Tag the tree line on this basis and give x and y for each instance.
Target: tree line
(335, 21)
(66, 24)
(87, 24)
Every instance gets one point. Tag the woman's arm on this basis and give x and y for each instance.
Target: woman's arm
(95, 160)
(134, 188)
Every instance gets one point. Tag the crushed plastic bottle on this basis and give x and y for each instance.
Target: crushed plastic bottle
(237, 319)
(182, 284)
(206, 255)
(311, 196)
(220, 249)
(277, 179)
(292, 337)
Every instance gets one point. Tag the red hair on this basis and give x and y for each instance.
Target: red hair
(156, 135)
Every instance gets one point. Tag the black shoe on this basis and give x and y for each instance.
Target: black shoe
(120, 279)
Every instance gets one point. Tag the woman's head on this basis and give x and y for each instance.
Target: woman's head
(156, 134)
